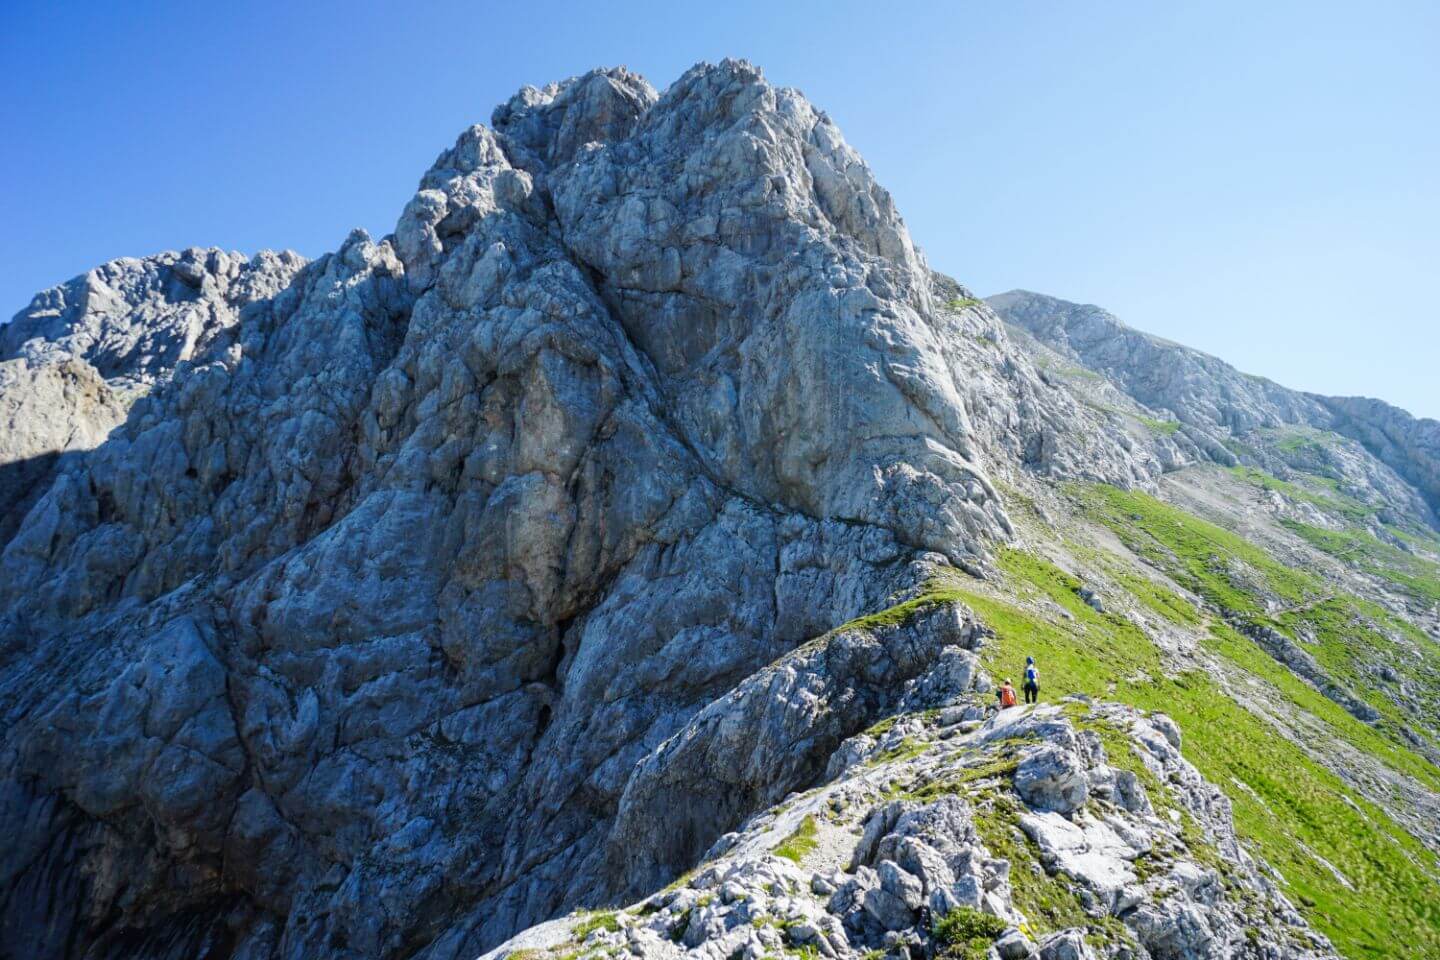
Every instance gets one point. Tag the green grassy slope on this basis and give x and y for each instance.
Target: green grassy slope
(1351, 638)
(1353, 870)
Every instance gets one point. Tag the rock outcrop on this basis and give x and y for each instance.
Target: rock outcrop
(73, 362)
(962, 833)
(456, 531)
(1409, 444)
(1395, 457)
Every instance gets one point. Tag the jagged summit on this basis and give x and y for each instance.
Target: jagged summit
(75, 359)
(501, 566)
(641, 393)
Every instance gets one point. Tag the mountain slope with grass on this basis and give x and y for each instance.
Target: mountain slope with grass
(622, 556)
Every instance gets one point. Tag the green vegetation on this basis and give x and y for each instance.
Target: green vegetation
(961, 303)
(1234, 575)
(1155, 597)
(681, 881)
(1049, 902)
(1120, 751)
(879, 729)
(904, 750)
(1288, 804)
(1417, 576)
(1161, 428)
(599, 920)
(1428, 541)
(1298, 443)
(1207, 560)
(882, 727)
(799, 843)
(1068, 370)
(936, 594)
(1281, 682)
(1331, 500)
(966, 934)
(999, 766)
(1287, 808)
(1351, 638)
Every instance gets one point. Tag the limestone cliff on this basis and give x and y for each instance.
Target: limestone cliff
(390, 604)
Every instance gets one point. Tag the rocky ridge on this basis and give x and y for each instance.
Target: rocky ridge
(1394, 456)
(75, 359)
(935, 833)
(491, 569)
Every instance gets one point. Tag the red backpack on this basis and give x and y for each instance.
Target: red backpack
(1007, 696)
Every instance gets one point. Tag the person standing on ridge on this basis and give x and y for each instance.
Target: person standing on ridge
(1032, 681)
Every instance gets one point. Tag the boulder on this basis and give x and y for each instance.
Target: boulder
(1052, 778)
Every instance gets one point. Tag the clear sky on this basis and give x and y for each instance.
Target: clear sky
(1259, 180)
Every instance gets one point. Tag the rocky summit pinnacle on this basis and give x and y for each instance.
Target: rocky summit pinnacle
(645, 511)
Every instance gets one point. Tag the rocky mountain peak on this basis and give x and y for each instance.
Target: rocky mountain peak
(513, 562)
(133, 319)
(550, 127)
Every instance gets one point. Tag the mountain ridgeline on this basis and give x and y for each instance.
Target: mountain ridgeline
(621, 556)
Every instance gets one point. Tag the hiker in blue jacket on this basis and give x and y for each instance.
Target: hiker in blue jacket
(1032, 681)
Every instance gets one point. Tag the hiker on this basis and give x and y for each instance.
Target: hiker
(1006, 694)
(1032, 681)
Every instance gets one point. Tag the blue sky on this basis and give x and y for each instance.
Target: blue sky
(1257, 180)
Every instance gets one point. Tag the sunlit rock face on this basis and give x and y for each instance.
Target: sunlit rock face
(432, 584)
(74, 361)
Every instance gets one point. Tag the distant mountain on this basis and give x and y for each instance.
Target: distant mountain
(1210, 395)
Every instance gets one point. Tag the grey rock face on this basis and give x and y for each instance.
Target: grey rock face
(485, 525)
(73, 362)
(1051, 778)
(1396, 457)
(1200, 389)
(133, 320)
(874, 864)
(47, 411)
(1069, 945)
(1409, 444)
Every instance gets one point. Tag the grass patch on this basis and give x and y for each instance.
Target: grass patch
(1332, 500)
(1289, 802)
(1243, 653)
(1158, 599)
(1224, 569)
(904, 750)
(801, 842)
(966, 933)
(937, 593)
(1048, 902)
(1000, 766)
(1161, 428)
(1068, 370)
(1349, 641)
(1207, 560)
(1417, 576)
(599, 920)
